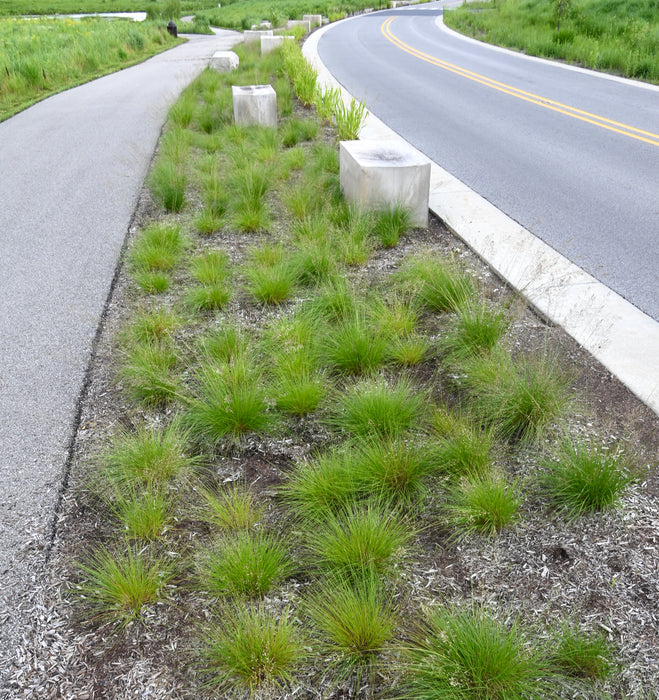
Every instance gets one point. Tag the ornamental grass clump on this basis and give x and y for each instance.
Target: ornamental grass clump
(270, 278)
(438, 285)
(584, 477)
(583, 655)
(168, 182)
(468, 654)
(147, 457)
(212, 290)
(149, 374)
(251, 647)
(376, 408)
(481, 505)
(391, 224)
(353, 346)
(229, 401)
(158, 248)
(394, 470)
(477, 328)
(243, 563)
(356, 621)
(519, 399)
(143, 514)
(118, 584)
(322, 486)
(362, 539)
(231, 508)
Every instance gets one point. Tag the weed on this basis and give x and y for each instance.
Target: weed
(244, 563)
(584, 477)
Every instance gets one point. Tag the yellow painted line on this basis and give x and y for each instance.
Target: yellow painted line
(574, 112)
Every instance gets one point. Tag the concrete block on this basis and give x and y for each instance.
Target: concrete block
(254, 105)
(253, 36)
(314, 20)
(299, 23)
(224, 61)
(382, 174)
(270, 43)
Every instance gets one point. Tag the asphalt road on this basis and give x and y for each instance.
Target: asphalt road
(71, 169)
(536, 143)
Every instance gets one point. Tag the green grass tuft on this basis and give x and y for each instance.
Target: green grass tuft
(584, 477)
(460, 654)
(244, 563)
(378, 409)
(117, 585)
(253, 648)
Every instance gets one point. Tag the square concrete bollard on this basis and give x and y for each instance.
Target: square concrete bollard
(299, 23)
(224, 61)
(254, 105)
(314, 20)
(253, 36)
(270, 43)
(383, 174)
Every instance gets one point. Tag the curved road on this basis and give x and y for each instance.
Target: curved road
(571, 155)
(71, 170)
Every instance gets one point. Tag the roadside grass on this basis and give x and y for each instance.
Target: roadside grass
(308, 449)
(45, 56)
(615, 37)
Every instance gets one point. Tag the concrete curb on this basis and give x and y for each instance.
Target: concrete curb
(622, 338)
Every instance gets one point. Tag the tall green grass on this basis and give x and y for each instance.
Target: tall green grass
(39, 58)
(617, 37)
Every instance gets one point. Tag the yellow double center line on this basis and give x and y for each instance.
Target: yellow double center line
(602, 122)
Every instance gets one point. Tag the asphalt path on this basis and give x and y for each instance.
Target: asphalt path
(572, 155)
(71, 169)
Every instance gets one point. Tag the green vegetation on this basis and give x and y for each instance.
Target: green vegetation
(616, 37)
(40, 58)
(319, 417)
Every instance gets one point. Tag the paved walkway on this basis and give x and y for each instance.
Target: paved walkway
(71, 169)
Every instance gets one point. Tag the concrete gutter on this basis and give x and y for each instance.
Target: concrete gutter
(622, 338)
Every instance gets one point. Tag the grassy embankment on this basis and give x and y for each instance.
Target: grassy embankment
(620, 37)
(314, 416)
(41, 57)
(242, 14)
(67, 7)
